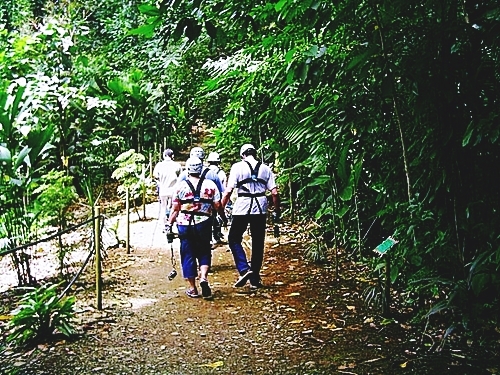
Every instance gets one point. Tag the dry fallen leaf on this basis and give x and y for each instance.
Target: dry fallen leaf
(213, 364)
(296, 321)
(294, 294)
(351, 308)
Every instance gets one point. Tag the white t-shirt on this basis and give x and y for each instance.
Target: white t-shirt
(166, 172)
(220, 173)
(241, 171)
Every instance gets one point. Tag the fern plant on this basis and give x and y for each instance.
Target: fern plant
(39, 314)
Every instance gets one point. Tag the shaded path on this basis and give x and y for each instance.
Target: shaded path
(302, 322)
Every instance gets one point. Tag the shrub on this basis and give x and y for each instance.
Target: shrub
(39, 314)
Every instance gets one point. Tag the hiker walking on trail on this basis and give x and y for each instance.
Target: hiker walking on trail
(252, 179)
(214, 165)
(206, 172)
(166, 173)
(192, 206)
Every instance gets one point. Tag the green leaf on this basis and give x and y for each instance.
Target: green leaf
(117, 86)
(362, 58)
(394, 273)
(22, 157)
(149, 10)
(312, 51)
(304, 70)
(279, 5)
(346, 193)
(468, 134)
(343, 166)
(319, 181)
(343, 210)
(146, 30)
(289, 55)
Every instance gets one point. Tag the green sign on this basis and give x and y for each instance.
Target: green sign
(385, 246)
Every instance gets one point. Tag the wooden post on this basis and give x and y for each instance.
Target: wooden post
(143, 193)
(290, 193)
(98, 270)
(386, 309)
(150, 164)
(127, 221)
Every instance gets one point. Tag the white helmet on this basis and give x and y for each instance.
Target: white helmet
(194, 165)
(213, 157)
(197, 152)
(245, 148)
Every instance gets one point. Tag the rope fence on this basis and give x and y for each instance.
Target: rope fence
(51, 237)
(94, 250)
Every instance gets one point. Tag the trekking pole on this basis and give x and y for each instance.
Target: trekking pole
(170, 240)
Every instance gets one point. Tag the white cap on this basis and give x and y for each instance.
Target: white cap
(214, 157)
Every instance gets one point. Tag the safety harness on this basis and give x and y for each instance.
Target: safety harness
(196, 197)
(254, 178)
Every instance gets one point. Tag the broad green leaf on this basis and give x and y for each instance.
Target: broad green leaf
(22, 157)
(319, 181)
(346, 193)
(149, 10)
(394, 273)
(279, 5)
(312, 51)
(342, 211)
(146, 30)
(289, 55)
(117, 86)
(343, 166)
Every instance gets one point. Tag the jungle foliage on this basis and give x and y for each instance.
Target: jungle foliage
(381, 118)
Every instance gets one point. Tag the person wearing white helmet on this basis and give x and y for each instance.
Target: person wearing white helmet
(251, 179)
(193, 202)
(197, 152)
(166, 173)
(214, 164)
(206, 172)
(214, 161)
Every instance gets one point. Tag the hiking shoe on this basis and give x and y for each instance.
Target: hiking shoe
(206, 292)
(243, 279)
(256, 286)
(192, 293)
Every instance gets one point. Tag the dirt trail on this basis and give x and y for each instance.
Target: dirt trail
(149, 326)
(302, 322)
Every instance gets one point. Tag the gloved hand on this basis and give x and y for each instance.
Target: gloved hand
(276, 217)
(170, 234)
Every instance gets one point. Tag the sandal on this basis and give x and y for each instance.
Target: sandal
(193, 293)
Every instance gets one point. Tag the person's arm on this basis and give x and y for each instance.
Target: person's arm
(176, 207)
(219, 208)
(226, 196)
(276, 201)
